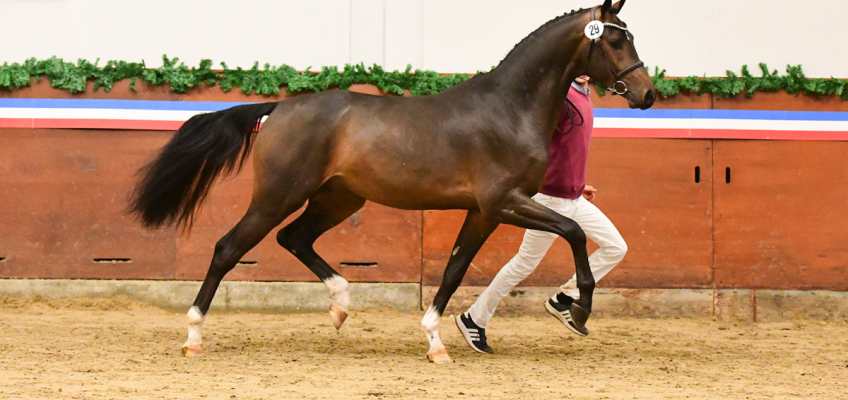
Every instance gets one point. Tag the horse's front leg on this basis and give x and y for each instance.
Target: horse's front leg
(473, 234)
(520, 210)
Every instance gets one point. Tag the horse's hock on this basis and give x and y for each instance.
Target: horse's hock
(705, 216)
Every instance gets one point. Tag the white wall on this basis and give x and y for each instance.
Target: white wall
(686, 37)
(296, 32)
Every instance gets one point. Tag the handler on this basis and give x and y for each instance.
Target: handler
(565, 191)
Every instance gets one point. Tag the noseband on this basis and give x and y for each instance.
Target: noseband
(618, 76)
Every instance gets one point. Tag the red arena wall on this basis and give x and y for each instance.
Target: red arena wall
(777, 223)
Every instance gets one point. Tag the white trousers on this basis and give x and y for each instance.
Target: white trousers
(594, 223)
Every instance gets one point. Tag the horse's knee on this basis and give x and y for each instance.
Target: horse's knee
(575, 235)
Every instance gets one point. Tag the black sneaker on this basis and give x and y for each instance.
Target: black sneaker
(473, 334)
(560, 307)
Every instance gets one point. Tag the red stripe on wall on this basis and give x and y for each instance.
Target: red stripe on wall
(107, 124)
(718, 134)
(15, 122)
(118, 124)
(767, 135)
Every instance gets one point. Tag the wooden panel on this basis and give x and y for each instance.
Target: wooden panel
(681, 101)
(64, 192)
(647, 188)
(781, 101)
(63, 195)
(781, 222)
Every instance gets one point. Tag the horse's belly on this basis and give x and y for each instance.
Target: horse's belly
(412, 192)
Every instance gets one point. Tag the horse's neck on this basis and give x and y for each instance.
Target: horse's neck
(536, 75)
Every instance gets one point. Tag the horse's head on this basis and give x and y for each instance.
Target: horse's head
(613, 61)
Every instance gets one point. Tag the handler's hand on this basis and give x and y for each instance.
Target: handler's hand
(589, 192)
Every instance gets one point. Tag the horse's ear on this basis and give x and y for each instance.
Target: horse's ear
(619, 5)
(606, 7)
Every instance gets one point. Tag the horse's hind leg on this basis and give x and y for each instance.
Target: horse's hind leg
(473, 234)
(328, 207)
(255, 225)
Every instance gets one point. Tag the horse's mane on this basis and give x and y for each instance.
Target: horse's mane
(535, 34)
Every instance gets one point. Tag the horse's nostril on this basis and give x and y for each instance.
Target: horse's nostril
(650, 97)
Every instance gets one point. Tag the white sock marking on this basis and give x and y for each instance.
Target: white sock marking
(430, 324)
(339, 291)
(195, 322)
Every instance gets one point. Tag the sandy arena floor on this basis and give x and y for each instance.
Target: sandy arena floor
(116, 349)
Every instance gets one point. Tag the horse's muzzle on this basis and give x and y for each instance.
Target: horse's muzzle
(641, 101)
(648, 101)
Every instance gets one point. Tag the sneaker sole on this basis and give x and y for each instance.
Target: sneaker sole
(553, 311)
(464, 331)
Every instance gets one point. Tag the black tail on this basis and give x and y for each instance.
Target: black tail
(173, 185)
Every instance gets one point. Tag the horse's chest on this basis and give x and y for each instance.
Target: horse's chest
(530, 158)
(530, 162)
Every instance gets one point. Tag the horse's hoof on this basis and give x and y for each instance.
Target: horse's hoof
(193, 350)
(579, 315)
(338, 314)
(439, 356)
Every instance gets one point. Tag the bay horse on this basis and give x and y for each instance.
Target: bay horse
(480, 146)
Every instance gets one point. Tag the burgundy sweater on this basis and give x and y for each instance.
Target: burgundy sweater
(569, 150)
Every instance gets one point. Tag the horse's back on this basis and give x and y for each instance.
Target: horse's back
(412, 153)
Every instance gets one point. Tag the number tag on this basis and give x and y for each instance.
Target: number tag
(594, 30)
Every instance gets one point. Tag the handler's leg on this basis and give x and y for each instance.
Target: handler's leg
(517, 209)
(600, 229)
(472, 324)
(533, 248)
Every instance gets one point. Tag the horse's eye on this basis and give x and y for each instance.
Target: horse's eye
(617, 43)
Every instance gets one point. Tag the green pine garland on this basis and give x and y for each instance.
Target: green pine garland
(794, 82)
(269, 80)
(180, 78)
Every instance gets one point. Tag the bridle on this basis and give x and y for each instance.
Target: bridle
(618, 76)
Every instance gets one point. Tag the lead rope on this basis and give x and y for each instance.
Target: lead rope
(568, 106)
